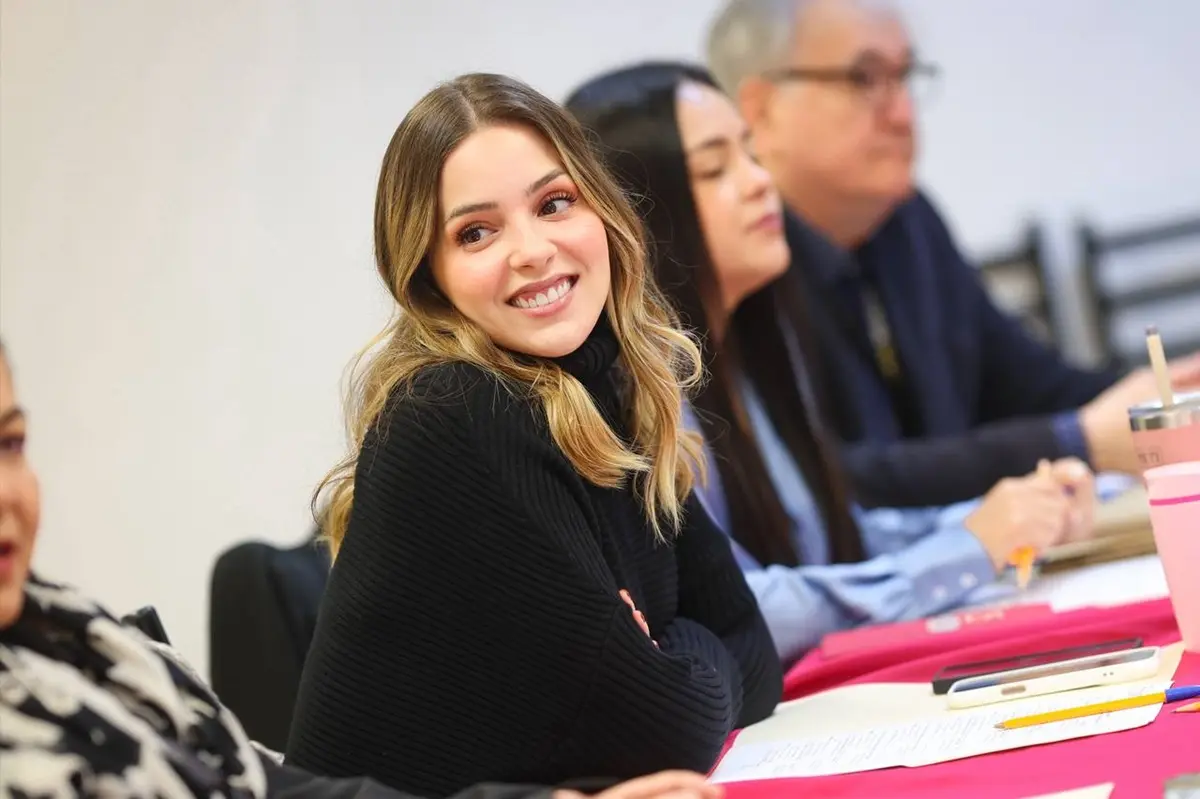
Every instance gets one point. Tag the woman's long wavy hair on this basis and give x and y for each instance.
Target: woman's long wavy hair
(632, 111)
(659, 360)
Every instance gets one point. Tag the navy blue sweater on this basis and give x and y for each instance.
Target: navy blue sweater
(985, 399)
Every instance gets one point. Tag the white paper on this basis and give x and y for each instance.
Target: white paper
(1103, 791)
(1118, 582)
(951, 735)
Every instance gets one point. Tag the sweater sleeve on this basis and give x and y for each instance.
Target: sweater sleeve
(949, 469)
(1024, 396)
(1020, 375)
(714, 592)
(472, 630)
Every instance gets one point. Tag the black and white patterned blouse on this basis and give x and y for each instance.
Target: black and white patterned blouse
(90, 707)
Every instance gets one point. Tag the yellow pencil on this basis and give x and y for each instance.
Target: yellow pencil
(1194, 707)
(1022, 560)
(1156, 698)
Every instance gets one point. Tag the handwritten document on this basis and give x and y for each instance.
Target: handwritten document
(951, 736)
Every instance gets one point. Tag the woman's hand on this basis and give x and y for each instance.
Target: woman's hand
(663, 785)
(1079, 483)
(638, 616)
(1031, 511)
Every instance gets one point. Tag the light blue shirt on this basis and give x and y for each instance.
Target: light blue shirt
(919, 561)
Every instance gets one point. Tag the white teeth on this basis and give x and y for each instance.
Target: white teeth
(553, 294)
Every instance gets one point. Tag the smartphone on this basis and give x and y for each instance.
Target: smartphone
(952, 674)
(1068, 675)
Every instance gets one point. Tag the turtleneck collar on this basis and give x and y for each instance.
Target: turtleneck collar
(595, 357)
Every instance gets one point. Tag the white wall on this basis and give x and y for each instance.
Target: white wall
(1060, 111)
(185, 201)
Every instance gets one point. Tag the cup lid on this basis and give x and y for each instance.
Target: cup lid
(1152, 416)
(1173, 482)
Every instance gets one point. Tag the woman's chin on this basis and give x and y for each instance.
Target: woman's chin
(12, 602)
(555, 344)
(559, 338)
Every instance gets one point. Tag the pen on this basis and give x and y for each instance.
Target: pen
(1156, 698)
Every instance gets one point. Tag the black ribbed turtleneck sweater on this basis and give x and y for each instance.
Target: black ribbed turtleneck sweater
(472, 629)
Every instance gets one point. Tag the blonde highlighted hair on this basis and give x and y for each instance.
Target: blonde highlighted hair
(659, 359)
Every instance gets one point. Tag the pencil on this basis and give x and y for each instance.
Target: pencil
(1022, 560)
(1156, 698)
(1194, 707)
(1158, 363)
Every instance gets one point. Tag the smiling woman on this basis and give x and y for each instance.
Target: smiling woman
(525, 586)
(529, 264)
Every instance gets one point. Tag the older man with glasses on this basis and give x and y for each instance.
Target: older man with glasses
(936, 392)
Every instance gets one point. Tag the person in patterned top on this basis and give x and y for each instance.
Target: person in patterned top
(90, 707)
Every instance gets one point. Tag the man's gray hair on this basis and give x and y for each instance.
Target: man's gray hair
(750, 37)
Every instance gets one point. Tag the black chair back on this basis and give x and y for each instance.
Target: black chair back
(1140, 276)
(263, 610)
(1016, 281)
(146, 619)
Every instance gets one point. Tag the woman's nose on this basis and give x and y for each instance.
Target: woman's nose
(531, 247)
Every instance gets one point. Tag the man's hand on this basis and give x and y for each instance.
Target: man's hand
(1105, 420)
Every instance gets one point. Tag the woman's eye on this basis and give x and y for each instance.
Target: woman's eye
(472, 234)
(557, 204)
(12, 445)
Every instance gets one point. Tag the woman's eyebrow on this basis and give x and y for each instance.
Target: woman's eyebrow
(472, 208)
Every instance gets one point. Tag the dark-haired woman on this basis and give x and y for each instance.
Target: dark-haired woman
(815, 561)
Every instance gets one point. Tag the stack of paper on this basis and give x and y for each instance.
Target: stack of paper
(952, 736)
(884, 725)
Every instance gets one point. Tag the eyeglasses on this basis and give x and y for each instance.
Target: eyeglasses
(876, 82)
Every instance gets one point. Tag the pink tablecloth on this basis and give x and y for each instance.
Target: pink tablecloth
(1137, 761)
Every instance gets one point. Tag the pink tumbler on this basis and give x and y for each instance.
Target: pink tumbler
(1163, 436)
(1174, 493)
